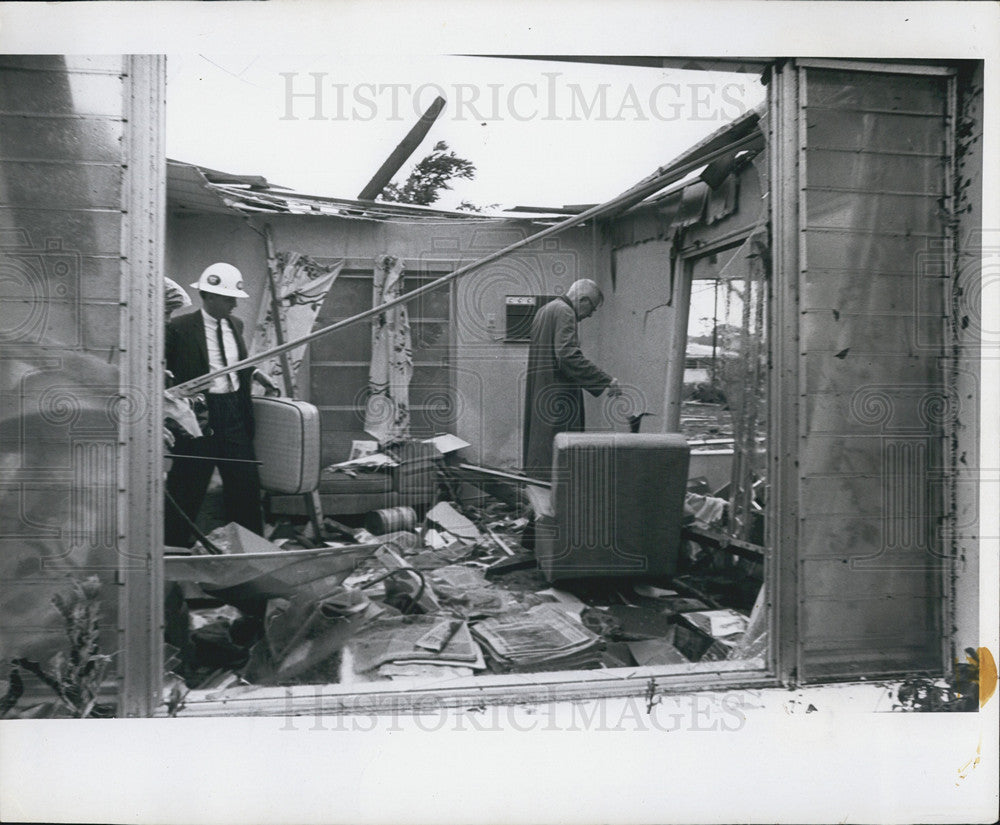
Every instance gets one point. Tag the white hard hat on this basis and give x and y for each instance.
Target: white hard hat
(222, 279)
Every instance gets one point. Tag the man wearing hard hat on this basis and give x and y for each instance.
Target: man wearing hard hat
(198, 343)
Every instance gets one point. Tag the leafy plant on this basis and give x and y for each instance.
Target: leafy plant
(74, 676)
(429, 177)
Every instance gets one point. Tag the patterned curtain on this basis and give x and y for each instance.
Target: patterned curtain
(387, 414)
(302, 286)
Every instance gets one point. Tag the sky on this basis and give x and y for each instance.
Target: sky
(540, 133)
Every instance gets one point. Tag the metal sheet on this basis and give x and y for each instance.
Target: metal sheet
(873, 625)
(59, 506)
(53, 230)
(867, 331)
(888, 294)
(692, 206)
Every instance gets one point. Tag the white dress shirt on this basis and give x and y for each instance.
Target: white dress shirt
(230, 381)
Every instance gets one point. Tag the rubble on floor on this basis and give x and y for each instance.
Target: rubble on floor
(455, 596)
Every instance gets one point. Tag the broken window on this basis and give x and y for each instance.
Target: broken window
(440, 593)
(339, 362)
(445, 591)
(725, 384)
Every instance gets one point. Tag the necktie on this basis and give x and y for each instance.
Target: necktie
(222, 350)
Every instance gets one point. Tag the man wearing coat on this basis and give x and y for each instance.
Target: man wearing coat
(558, 372)
(198, 343)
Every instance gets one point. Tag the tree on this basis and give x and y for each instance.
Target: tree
(429, 177)
(469, 206)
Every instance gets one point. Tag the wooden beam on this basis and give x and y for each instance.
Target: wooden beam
(488, 472)
(279, 333)
(402, 152)
(140, 544)
(673, 387)
(715, 540)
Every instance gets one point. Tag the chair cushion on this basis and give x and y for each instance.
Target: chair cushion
(334, 482)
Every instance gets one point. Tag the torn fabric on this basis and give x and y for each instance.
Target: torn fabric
(302, 285)
(387, 413)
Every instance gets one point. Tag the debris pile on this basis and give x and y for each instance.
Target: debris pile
(541, 638)
(451, 593)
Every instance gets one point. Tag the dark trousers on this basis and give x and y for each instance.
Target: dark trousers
(188, 478)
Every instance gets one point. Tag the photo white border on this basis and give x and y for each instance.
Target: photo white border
(821, 767)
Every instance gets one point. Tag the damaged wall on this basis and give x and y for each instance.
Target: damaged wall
(630, 336)
(194, 241)
(634, 337)
(489, 374)
(886, 364)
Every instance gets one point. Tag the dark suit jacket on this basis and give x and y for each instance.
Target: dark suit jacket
(558, 371)
(187, 354)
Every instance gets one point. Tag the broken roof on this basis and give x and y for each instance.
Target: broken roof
(196, 189)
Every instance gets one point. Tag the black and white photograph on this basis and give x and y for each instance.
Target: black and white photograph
(497, 413)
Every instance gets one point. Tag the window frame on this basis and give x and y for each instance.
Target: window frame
(781, 665)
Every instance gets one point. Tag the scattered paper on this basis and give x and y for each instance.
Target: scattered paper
(361, 449)
(707, 510)
(718, 623)
(651, 592)
(395, 639)
(180, 410)
(438, 636)
(198, 619)
(541, 637)
(424, 670)
(436, 541)
(459, 577)
(448, 518)
(447, 443)
(374, 460)
(564, 601)
(541, 500)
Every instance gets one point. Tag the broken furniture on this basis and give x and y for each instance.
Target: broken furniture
(287, 444)
(252, 567)
(393, 607)
(618, 502)
(411, 483)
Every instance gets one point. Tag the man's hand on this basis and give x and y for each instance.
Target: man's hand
(181, 411)
(271, 389)
(614, 388)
